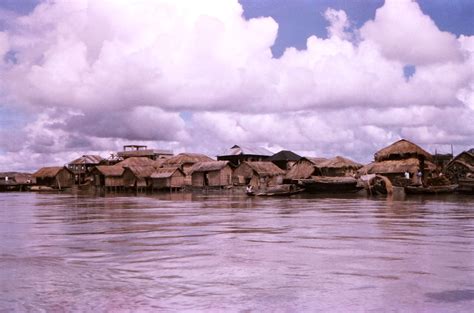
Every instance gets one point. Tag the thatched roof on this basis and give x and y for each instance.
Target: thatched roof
(139, 161)
(87, 159)
(265, 168)
(410, 165)
(339, 162)
(401, 149)
(107, 170)
(51, 171)
(208, 166)
(285, 155)
(165, 172)
(21, 178)
(241, 150)
(304, 167)
(465, 158)
(141, 171)
(186, 158)
(316, 161)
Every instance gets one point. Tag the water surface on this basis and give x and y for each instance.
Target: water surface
(215, 253)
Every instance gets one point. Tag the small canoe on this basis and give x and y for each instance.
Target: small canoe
(430, 189)
(281, 190)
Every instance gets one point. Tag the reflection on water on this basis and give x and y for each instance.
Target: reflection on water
(180, 252)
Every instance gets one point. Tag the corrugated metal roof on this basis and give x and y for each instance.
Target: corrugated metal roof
(246, 150)
(88, 159)
(285, 155)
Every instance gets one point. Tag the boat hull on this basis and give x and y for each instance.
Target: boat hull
(430, 189)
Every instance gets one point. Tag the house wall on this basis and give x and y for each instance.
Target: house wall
(337, 172)
(129, 178)
(197, 179)
(177, 180)
(242, 174)
(113, 181)
(161, 183)
(64, 179)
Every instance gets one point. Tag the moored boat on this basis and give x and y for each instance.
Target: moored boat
(329, 184)
(430, 189)
(466, 185)
(280, 190)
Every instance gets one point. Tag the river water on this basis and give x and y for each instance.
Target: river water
(223, 253)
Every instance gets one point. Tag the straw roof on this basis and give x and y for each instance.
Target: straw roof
(141, 171)
(186, 158)
(139, 161)
(107, 170)
(208, 166)
(241, 150)
(465, 158)
(265, 168)
(339, 162)
(51, 171)
(316, 161)
(165, 172)
(401, 149)
(87, 159)
(285, 155)
(411, 165)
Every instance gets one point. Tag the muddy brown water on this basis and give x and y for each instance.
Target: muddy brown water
(223, 253)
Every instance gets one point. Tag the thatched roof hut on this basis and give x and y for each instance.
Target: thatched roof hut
(108, 175)
(305, 168)
(138, 175)
(54, 176)
(167, 178)
(185, 161)
(411, 165)
(402, 149)
(338, 166)
(211, 173)
(461, 166)
(258, 173)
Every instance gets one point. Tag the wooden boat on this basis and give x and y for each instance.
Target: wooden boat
(281, 190)
(322, 184)
(430, 189)
(466, 185)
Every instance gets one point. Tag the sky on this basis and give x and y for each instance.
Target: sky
(318, 77)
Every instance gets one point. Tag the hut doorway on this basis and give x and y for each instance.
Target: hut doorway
(206, 179)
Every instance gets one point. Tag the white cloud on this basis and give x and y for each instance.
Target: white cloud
(94, 75)
(405, 34)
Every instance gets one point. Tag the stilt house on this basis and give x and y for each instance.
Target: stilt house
(212, 174)
(167, 178)
(56, 177)
(258, 174)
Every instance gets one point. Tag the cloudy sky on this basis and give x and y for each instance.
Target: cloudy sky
(319, 77)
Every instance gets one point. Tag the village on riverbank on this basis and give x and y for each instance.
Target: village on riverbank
(256, 171)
